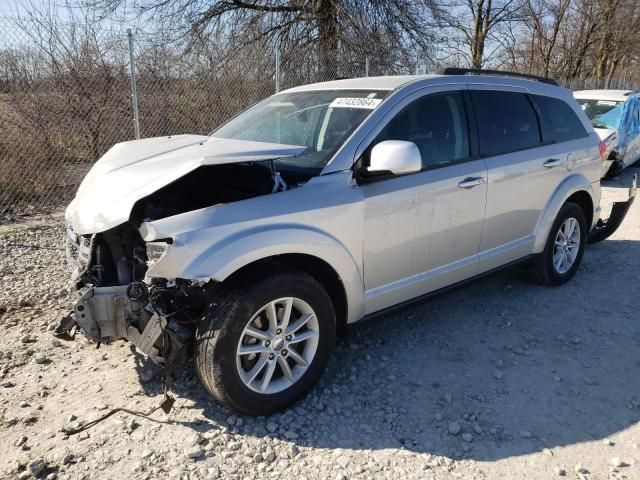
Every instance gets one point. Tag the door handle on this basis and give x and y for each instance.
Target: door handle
(471, 182)
(552, 162)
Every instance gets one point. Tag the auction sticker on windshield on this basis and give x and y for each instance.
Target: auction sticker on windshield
(353, 102)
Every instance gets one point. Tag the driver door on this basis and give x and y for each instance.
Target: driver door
(422, 231)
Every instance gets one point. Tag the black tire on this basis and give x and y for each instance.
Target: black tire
(220, 331)
(543, 269)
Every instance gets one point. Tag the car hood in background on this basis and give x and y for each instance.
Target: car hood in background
(132, 170)
(604, 133)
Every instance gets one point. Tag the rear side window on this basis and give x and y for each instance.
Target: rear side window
(507, 122)
(559, 122)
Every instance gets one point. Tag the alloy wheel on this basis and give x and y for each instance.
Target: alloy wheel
(566, 245)
(277, 345)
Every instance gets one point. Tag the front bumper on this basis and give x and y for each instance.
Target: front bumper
(605, 228)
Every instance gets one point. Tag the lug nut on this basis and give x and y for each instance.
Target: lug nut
(271, 356)
(278, 331)
(288, 338)
(284, 353)
(267, 343)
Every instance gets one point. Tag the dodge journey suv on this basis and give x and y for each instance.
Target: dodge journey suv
(324, 205)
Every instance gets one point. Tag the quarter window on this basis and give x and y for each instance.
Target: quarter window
(507, 122)
(437, 124)
(559, 121)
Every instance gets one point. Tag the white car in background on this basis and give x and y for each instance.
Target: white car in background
(596, 103)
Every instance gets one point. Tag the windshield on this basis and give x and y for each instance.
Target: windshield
(594, 108)
(318, 120)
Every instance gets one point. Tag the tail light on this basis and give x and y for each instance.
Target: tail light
(603, 150)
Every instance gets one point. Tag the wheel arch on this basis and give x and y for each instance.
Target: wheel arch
(308, 250)
(315, 267)
(585, 202)
(575, 188)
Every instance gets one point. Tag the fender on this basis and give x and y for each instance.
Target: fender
(231, 253)
(570, 185)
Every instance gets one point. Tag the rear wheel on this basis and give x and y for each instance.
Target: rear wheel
(265, 342)
(564, 248)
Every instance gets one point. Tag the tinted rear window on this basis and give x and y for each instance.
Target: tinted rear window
(507, 122)
(559, 121)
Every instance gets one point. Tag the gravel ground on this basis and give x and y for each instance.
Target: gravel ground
(501, 379)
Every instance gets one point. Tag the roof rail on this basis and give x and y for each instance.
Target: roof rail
(481, 71)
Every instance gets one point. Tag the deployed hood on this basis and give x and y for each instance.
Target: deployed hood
(133, 170)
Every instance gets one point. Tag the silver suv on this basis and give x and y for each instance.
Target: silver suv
(321, 206)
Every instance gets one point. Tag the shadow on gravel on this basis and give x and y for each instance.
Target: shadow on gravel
(500, 368)
(622, 180)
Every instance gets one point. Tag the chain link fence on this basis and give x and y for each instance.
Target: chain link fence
(66, 98)
(66, 95)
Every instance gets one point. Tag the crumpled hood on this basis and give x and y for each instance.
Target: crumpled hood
(132, 170)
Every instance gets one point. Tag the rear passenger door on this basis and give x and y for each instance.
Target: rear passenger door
(524, 141)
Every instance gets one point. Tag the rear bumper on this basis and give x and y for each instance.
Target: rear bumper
(605, 228)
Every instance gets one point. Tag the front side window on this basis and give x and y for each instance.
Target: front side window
(506, 122)
(559, 122)
(437, 124)
(318, 120)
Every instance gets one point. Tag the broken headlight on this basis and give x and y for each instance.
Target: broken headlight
(155, 251)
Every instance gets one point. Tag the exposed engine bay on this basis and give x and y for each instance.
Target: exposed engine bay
(117, 300)
(223, 184)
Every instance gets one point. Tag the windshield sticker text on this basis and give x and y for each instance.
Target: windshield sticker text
(352, 102)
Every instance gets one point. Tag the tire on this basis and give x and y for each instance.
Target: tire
(222, 333)
(543, 268)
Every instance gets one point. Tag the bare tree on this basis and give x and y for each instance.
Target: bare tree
(546, 17)
(322, 24)
(585, 42)
(476, 20)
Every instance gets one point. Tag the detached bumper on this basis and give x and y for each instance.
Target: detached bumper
(605, 228)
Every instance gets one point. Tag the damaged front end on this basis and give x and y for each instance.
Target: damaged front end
(134, 184)
(117, 301)
(605, 228)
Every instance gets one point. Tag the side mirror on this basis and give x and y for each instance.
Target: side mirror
(396, 157)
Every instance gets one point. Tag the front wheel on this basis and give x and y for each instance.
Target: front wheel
(266, 341)
(564, 248)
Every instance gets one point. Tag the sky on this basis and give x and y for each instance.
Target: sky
(8, 8)
(11, 8)
(5, 8)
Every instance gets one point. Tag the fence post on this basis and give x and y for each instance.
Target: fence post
(134, 91)
(366, 66)
(277, 70)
